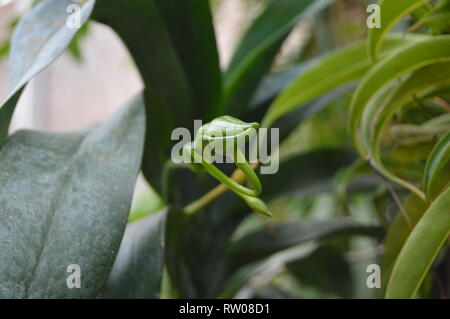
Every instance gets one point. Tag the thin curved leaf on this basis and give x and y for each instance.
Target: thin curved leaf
(376, 117)
(391, 13)
(40, 38)
(437, 161)
(343, 66)
(65, 198)
(138, 268)
(420, 249)
(398, 233)
(408, 59)
(259, 46)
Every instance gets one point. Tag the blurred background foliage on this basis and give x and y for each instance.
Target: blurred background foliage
(335, 267)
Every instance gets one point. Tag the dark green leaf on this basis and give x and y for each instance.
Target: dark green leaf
(138, 268)
(189, 23)
(168, 96)
(325, 269)
(65, 200)
(198, 272)
(176, 264)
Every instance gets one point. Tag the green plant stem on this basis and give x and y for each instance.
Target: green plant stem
(196, 206)
(242, 164)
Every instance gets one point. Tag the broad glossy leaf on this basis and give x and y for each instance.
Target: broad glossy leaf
(391, 13)
(40, 38)
(65, 200)
(408, 59)
(138, 268)
(437, 161)
(254, 55)
(420, 249)
(340, 67)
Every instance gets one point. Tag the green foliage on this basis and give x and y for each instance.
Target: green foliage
(65, 198)
(420, 249)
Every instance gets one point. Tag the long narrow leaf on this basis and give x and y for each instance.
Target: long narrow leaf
(421, 249)
(437, 161)
(376, 117)
(408, 59)
(392, 11)
(138, 268)
(326, 74)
